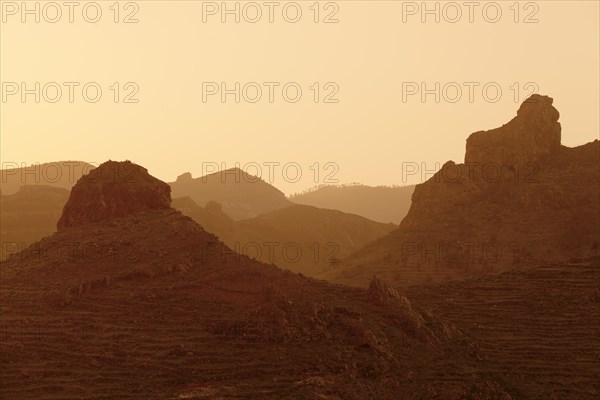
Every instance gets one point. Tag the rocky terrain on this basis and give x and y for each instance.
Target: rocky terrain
(240, 194)
(116, 190)
(538, 325)
(520, 198)
(381, 203)
(133, 300)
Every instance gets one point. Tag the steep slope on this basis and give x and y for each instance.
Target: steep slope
(299, 238)
(29, 215)
(538, 325)
(132, 300)
(240, 194)
(520, 198)
(61, 174)
(381, 203)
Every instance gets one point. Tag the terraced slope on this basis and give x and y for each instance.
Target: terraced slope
(539, 328)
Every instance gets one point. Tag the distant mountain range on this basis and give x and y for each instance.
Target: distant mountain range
(61, 174)
(240, 194)
(28, 215)
(381, 203)
(299, 238)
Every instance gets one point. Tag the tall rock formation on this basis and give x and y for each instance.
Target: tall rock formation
(114, 189)
(519, 198)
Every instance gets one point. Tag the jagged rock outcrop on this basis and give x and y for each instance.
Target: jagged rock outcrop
(520, 198)
(529, 137)
(113, 190)
(379, 292)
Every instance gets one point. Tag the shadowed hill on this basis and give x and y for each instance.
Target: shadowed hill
(520, 198)
(29, 215)
(240, 194)
(381, 203)
(305, 239)
(299, 238)
(141, 302)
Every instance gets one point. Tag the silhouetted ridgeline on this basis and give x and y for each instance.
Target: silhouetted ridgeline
(520, 198)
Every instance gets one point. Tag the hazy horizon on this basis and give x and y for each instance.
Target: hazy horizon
(370, 55)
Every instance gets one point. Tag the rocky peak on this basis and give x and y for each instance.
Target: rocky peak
(533, 134)
(186, 176)
(113, 190)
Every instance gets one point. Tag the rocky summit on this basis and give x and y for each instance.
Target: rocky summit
(114, 189)
(520, 198)
(529, 137)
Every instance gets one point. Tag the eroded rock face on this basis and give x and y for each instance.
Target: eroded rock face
(520, 198)
(533, 134)
(113, 190)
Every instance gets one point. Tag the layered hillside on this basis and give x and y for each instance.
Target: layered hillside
(520, 198)
(29, 215)
(60, 174)
(538, 325)
(381, 203)
(298, 238)
(241, 195)
(303, 238)
(132, 300)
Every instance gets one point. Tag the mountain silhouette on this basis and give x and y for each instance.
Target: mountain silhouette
(299, 238)
(241, 195)
(380, 203)
(61, 174)
(132, 299)
(520, 198)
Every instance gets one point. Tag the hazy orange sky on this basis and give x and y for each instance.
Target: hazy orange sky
(370, 54)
